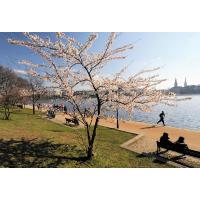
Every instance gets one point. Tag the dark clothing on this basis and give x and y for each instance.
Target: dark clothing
(162, 115)
(164, 140)
(50, 114)
(181, 145)
(161, 120)
(65, 109)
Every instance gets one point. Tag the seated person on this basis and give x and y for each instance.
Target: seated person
(75, 120)
(53, 114)
(65, 109)
(180, 143)
(164, 139)
(50, 113)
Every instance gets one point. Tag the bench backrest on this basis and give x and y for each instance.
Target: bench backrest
(73, 120)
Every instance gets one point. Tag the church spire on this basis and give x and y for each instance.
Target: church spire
(175, 83)
(185, 83)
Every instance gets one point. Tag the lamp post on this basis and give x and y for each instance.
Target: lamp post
(117, 118)
(117, 111)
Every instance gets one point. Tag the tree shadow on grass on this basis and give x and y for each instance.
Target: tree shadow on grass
(38, 154)
(56, 130)
(19, 112)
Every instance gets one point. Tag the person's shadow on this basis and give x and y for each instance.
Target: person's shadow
(38, 153)
(148, 127)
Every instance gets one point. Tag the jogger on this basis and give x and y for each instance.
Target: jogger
(162, 115)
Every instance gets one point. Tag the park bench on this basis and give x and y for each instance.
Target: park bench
(19, 106)
(72, 120)
(175, 148)
(51, 114)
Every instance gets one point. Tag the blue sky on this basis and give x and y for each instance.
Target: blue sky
(178, 54)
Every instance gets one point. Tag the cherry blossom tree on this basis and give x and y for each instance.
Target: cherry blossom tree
(70, 65)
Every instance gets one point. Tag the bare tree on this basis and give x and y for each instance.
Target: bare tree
(11, 90)
(36, 90)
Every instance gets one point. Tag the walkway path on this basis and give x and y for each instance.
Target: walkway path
(147, 135)
(152, 133)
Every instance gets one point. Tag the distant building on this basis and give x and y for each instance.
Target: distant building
(186, 89)
(185, 83)
(175, 83)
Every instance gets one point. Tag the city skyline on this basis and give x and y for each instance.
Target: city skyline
(185, 83)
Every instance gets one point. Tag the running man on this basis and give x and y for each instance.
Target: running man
(162, 115)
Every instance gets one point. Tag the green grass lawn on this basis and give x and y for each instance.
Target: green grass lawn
(32, 141)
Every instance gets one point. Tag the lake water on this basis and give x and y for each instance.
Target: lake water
(185, 115)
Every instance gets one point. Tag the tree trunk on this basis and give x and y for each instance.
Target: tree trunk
(33, 108)
(117, 118)
(90, 153)
(90, 149)
(7, 112)
(33, 102)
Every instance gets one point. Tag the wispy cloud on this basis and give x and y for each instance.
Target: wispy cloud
(18, 71)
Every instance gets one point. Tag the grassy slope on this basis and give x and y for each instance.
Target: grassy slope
(55, 145)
